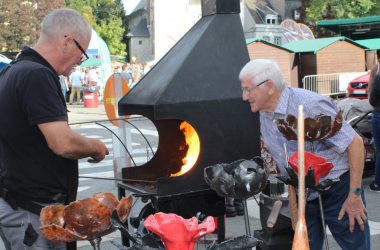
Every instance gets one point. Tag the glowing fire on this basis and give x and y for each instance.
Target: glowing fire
(192, 141)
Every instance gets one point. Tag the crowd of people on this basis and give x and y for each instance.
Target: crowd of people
(74, 83)
(132, 72)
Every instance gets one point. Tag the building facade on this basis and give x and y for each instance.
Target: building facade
(154, 28)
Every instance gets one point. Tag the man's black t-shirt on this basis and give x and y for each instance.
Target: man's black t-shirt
(30, 94)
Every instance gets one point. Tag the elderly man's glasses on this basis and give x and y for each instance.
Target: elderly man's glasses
(249, 90)
(84, 54)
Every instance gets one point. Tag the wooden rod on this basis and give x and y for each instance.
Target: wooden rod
(301, 239)
(301, 162)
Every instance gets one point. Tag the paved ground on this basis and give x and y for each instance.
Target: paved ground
(78, 113)
(234, 226)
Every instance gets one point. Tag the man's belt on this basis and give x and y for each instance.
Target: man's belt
(342, 176)
(4, 193)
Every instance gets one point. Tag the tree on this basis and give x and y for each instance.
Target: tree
(316, 10)
(109, 14)
(20, 21)
(375, 10)
(335, 9)
(85, 7)
(15, 24)
(124, 20)
(106, 18)
(112, 32)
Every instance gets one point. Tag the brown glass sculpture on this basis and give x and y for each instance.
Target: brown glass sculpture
(86, 219)
(318, 128)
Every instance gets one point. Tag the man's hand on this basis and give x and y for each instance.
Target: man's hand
(69, 144)
(355, 210)
(101, 150)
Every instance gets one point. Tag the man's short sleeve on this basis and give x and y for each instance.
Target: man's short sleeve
(40, 97)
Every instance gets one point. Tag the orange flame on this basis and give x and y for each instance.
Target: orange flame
(192, 140)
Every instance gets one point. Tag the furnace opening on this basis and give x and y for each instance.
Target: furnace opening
(177, 152)
(192, 143)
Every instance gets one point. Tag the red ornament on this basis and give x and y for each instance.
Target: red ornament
(177, 232)
(319, 164)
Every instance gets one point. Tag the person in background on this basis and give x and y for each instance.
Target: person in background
(136, 72)
(93, 78)
(129, 69)
(264, 88)
(146, 68)
(76, 81)
(116, 70)
(141, 70)
(127, 77)
(86, 76)
(374, 100)
(64, 85)
(39, 152)
(100, 79)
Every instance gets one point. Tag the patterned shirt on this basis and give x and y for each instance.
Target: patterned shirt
(333, 149)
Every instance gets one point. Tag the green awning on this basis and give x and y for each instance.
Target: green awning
(251, 40)
(314, 45)
(348, 21)
(354, 28)
(254, 40)
(371, 44)
(91, 62)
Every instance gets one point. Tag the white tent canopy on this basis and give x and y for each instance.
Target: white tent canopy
(99, 49)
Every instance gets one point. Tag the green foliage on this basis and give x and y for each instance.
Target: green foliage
(375, 10)
(316, 10)
(336, 9)
(124, 20)
(85, 7)
(20, 21)
(106, 10)
(111, 32)
(107, 18)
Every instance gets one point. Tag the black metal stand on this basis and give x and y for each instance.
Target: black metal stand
(246, 218)
(187, 205)
(95, 243)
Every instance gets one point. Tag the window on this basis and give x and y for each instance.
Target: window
(140, 42)
(271, 19)
(277, 40)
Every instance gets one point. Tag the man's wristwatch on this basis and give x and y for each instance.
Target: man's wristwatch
(356, 191)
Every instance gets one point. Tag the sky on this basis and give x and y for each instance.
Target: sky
(129, 5)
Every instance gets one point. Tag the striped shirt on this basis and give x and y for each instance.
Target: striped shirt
(333, 149)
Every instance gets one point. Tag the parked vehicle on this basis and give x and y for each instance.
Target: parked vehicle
(4, 61)
(358, 114)
(358, 87)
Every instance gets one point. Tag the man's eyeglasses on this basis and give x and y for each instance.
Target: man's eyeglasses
(84, 54)
(249, 90)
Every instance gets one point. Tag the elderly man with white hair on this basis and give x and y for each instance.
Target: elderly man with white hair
(264, 88)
